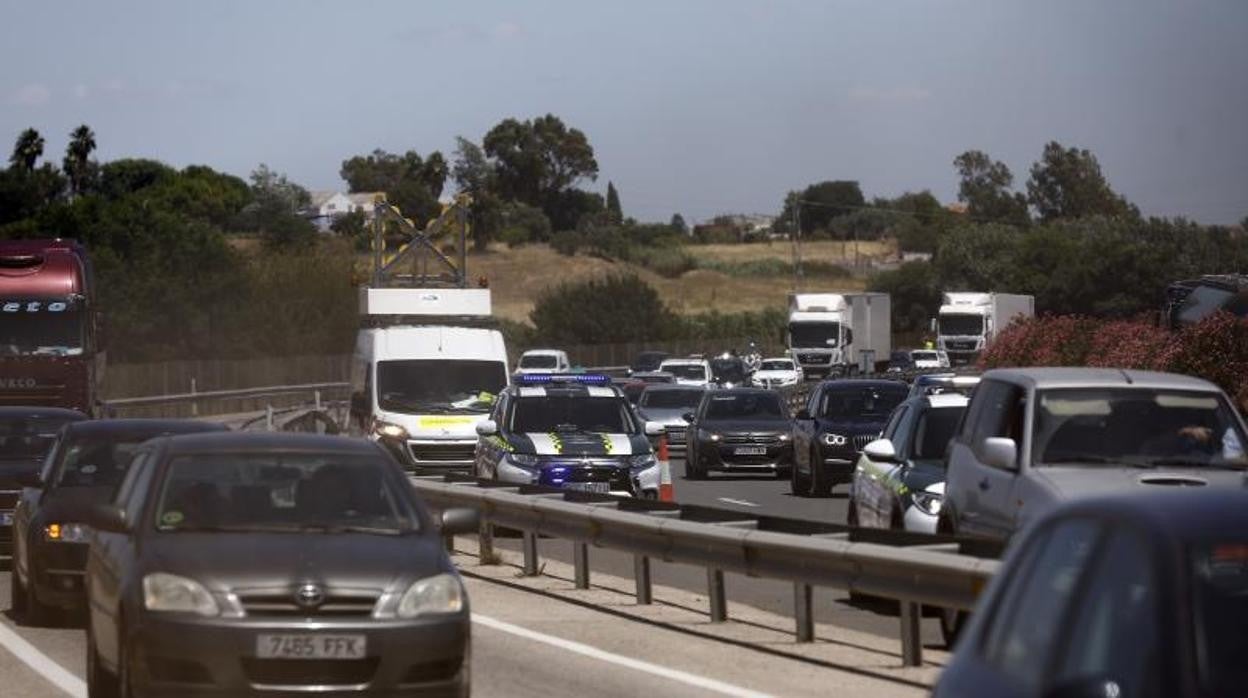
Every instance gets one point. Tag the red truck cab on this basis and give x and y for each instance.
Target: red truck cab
(49, 345)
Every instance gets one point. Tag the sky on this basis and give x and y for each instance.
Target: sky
(699, 107)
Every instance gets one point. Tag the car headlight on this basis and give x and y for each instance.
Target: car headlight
(388, 430)
(436, 595)
(641, 461)
(835, 439)
(785, 437)
(171, 593)
(523, 460)
(707, 436)
(66, 533)
(928, 502)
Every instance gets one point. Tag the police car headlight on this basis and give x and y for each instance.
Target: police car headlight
(390, 431)
(523, 460)
(642, 461)
(835, 439)
(928, 502)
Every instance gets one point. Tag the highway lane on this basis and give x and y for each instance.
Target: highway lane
(757, 494)
(529, 645)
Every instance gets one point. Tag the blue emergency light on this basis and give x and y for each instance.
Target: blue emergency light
(548, 378)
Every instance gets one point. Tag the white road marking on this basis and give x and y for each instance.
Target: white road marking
(30, 655)
(738, 502)
(636, 664)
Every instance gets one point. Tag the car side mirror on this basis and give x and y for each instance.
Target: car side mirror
(1096, 687)
(106, 517)
(487, 427)
(803, 414)
(655, 429)
(688, 417)
(460, 521)
(881, 451)
(999, 452)
(30, 478)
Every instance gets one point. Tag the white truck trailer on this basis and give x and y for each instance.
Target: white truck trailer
(839, 333)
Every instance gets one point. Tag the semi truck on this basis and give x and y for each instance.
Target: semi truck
(968, 322)
(50, 349)
(839, 333)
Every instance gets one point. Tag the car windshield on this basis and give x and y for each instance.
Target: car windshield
(97, 462)
(439, 386)
(671, 399)
(28, 437)
(925, 356)
(752, 406)
(695, 372)
(776, 366)
(40, 327)
(648, 361)
(281, 492)
(961, 325)
(1136, 426)
(1220, 588)
(873, 403)
(538, 361)
(933, 432)
(558, 413)
(814, 335)
(728, 370)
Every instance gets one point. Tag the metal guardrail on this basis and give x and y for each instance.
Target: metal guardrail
(919, 575)
(195, 397)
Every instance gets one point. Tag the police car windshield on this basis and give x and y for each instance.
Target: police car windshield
(566, 413)
(439, 386)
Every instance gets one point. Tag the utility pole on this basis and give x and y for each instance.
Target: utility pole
(797, 245)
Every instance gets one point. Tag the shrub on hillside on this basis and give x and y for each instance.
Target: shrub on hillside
(614, 308)
(566, 242)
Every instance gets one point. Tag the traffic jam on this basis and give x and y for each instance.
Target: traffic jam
(203, 560)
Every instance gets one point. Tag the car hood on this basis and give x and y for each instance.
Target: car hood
(923, 474)
(775, 375)
(223, 561)
(579, 443)
(753, 426)
(1081, 481)
(851, 426)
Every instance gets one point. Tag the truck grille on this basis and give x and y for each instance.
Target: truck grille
(965, 345)
(281, 603)
(812, 359)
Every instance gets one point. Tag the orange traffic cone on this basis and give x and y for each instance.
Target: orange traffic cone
(666, 492)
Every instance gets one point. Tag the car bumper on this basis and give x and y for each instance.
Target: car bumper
(569, 474)
(446, 454)
(724, 458)
(182, 656)
(56, 573)
(919, 521)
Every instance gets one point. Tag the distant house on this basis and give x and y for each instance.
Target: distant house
(328, 205)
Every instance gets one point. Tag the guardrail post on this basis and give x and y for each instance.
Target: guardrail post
(580, 559)
(641, 575)
(530, 554)
(803, 612)
(316, 399)
(268, 417)
(911, 645)
(715, 594)
(485, 544)
(194, 402)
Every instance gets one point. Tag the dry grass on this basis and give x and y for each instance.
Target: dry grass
(832, 251)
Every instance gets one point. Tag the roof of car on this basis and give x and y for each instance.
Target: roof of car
(743, 390)
(40, 413)
(563, 390)
(1078, 377)
(253, 441)
(841, 383)
(684, 361)
(141, 427)
(543, 352)
(670, 387)
(1184, 512)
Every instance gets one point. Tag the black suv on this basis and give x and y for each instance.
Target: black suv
(840, 417)
(739, 429)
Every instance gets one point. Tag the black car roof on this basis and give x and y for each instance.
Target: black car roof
(841, 383)
(1184, 513)
(254, 441)
(142, 427)
(41, 413)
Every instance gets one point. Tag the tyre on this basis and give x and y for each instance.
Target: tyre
(34, 612)
(851, 514)
(799, 484)
(693, 470)
(17, 597)
(820, 481)
(100, 682)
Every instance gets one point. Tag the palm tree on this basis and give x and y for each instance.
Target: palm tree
(27, 150)
(77, 154)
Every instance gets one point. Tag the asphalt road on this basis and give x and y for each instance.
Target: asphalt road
(758, 494)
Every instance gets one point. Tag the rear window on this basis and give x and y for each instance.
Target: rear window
(776, 366)
(695, 372)
(671, 399)
(1220, 573)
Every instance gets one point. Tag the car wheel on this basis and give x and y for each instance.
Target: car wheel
(36, 613)
(693, 471)
(17, 597)
(851, 515)
(100, 683)
(799, 484)
(820, 481)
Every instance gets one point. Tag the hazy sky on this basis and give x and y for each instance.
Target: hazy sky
(692, 107)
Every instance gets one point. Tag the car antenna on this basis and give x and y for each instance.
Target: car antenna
(1126, 376)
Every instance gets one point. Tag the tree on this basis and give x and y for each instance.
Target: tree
(1068, 183)
(818, 204)
(678, 224)
(522, 223)
(275, 211)
(625, 309)
(410, 182)
(77, 164)
(538, 162)
(474, 175)
(915, 293)
(614, 212)
(985, 188)
(27, 150)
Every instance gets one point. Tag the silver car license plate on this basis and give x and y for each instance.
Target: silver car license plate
(304, 646)
(589, 486)
(749, 451)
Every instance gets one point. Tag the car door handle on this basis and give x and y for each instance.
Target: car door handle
(984, 485)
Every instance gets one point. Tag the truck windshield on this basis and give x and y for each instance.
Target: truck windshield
(437, 386)
(1142, 427)
(961, 325)
(814, 335)
(40, 327)
(544, 415)
(537, 361)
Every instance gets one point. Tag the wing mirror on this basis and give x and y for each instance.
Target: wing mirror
(487, 427)
(655, 429)
(688, 417)
(108, 518)
(881, 451)
(998, 452)
(460, 521)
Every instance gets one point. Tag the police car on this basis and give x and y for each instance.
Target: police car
(576, 432)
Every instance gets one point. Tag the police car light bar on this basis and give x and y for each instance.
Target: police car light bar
(547, 378)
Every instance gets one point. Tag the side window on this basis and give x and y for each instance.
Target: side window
(139, 467)
(998, 409)
(49, 463)
(1115, 633)
(815, 403)
(1022, 630)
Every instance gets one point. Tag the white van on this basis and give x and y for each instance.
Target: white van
(544, 361)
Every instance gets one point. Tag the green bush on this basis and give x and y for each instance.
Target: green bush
(614, 308)
(567, 242)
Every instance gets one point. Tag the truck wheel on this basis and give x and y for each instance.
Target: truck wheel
(820, 481)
